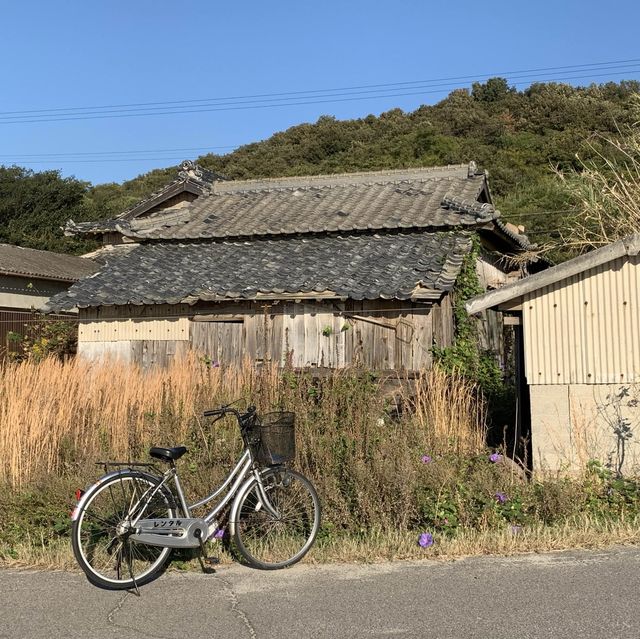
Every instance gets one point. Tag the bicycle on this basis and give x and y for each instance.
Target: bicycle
(125, 526)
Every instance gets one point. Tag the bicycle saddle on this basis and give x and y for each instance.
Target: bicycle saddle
(168, 454)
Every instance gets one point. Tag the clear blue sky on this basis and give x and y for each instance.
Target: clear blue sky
(60, 55)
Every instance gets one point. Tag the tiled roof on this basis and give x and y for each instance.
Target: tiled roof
(357, 266)
(401, 199)
(402, 205)
(27, 262)
(90, 228)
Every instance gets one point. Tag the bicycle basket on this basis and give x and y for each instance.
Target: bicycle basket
(277, 441)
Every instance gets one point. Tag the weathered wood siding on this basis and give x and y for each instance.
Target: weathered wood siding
(383, 334)
(220, 341)
(145, 353)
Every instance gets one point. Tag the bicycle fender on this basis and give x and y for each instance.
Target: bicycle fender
(92, 489)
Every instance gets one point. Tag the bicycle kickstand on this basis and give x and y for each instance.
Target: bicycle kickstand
(202, 557)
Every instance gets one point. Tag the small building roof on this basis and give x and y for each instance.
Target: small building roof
(46, 265)
(628, 246)
(365, 266)
(320, 209)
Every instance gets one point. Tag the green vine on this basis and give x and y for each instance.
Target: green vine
(465, 356)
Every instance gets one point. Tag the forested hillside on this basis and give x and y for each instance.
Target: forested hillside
(519, 136)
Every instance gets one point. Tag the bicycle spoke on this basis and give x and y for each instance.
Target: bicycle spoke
(102, 545)
(274, 542)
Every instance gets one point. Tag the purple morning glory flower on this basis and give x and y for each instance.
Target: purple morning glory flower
(426, 459)
(500, 497)
(425, 540)
(219, 533)
(495, 457)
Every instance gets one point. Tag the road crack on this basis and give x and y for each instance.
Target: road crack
(235, 606)
(117, 608)
(113, 623)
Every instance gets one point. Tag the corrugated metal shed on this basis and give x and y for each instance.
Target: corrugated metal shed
(584, 330)
(581, 319)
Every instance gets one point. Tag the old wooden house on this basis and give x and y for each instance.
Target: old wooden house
(578, 325)
(321, 271)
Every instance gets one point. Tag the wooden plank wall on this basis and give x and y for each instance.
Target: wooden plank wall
(380, 334)
(145, 353)
(219, 341)
(385, 334)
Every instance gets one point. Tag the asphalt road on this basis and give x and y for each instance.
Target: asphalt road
(573, 595)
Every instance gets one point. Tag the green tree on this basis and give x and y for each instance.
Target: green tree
(33, 207)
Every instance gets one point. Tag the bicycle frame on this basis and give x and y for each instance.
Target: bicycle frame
(235, 478)
(241, 473)
(241, 478)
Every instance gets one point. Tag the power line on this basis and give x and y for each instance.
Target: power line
(297, 95)
(576, 67)
(93, 153)
(332, 98)
(100, 161)
(306, 99)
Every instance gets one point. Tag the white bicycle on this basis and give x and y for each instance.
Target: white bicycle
(126, 524)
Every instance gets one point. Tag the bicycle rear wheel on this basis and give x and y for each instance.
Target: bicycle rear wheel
(269, 542)
(100, 539)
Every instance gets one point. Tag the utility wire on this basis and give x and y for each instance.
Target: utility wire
(100, 161)
(294, 94)
(266, 101)
(252, 106)
(93, 153)
(279, 102)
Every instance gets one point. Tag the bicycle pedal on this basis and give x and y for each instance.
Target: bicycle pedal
(212, 561)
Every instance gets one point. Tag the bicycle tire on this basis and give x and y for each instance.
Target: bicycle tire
(110, 560)
(268, 543)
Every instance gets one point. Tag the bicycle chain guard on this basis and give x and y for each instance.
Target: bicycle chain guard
(177, 532)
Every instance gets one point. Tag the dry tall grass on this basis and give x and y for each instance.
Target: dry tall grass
(362, 448)
(450, 410)
(54, 415)
(57, 418)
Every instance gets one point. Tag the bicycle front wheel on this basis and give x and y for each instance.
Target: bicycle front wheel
(277, 539)
(100, 537)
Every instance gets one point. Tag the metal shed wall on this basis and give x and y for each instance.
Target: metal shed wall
(585, 329)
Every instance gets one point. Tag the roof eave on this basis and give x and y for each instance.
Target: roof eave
(40, 276)
(628, 246)
(169, 191)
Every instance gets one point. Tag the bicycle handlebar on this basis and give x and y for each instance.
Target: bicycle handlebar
(224, 410)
